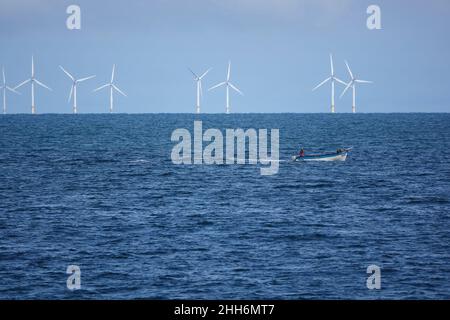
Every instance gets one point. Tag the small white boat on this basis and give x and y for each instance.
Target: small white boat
(336, 156)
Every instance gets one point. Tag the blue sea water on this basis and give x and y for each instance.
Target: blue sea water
(101, 192)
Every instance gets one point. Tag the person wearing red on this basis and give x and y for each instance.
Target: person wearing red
(301, 153)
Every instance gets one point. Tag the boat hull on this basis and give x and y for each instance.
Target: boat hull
(324, 157)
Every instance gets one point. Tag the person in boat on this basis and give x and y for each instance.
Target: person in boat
(338, 151)
(301, 153)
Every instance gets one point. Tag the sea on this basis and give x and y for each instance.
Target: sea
(100, 192)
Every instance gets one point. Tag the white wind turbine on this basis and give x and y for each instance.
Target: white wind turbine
(198, 80)
(32, 80)
(228, 85)
(352, 83)
(73, 88)
(112, 87)
(5, 87)
(333, 79)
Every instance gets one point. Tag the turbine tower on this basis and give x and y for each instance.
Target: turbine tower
(333, 79)
(5, 87)
(228, 85)
(198, 80)
(352, 83)
(112, 87)
(73, 88)
(32, 80)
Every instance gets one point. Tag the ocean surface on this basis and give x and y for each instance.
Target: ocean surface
(101, 192)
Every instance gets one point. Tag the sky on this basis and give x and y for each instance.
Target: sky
(279, 51)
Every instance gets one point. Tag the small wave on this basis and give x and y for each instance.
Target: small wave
(427, 200)
(139, 161)
(319, 185)
(307, 236)
(286, 186)
(259, 160)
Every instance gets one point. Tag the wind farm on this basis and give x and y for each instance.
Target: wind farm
(332, 78)
(73, 88)
(198, 79)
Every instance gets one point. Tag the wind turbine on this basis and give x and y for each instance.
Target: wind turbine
(198, 80)
(352, 84)
(5, 87)
(333, 79)
(112, 87)
(228, 85)
(73, 88)
(32, 80)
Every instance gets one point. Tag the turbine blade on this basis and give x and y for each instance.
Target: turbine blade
(349, 71)
(4, 78)
(236, 89)
(67, 73)
(112, 74)
(71, 92)
(229, 71)
(363, 81)
(32, 66)
(205, 73)
(321, 84)
(12, 90)
(119, 90)
(19, 85)
(346, 88)
(42, 85)
(331, 63)
(193, 73)
(340, 81)
(217, 85)
(200, 87)
(100, 88)
(84, 79)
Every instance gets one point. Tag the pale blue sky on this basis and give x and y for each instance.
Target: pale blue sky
(278, 48)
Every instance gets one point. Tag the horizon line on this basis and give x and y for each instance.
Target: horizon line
(218, 113)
